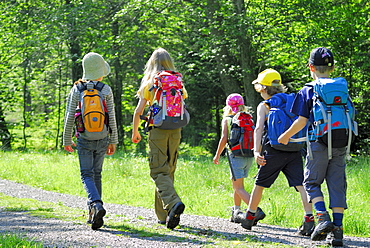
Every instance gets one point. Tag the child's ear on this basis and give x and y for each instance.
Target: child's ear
(312, 68)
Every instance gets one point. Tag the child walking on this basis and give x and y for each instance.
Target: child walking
(239, 165)
(163, 144)
(321, 167)
(91, 146)
(271, 160)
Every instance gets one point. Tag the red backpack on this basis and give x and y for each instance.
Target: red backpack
(241, 135)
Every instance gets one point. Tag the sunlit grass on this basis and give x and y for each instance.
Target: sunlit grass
(8, 240)
(204, 187)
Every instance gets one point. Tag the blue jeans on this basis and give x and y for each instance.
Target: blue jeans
(91, 154)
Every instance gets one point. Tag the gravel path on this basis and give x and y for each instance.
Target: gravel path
(195, 231)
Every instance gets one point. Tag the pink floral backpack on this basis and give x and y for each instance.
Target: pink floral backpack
(168, 110)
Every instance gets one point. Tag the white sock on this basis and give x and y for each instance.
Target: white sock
(252, 211)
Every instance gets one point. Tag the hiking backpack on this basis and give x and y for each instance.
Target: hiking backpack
(333, 114)
(168, 110)
(91, 114)
(280, 119)
(240, 139)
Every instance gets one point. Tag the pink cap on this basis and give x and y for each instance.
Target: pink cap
(234, 101)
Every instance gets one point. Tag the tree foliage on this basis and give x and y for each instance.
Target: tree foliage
(219, 45)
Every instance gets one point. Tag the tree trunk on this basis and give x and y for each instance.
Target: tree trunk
(117, 86)
(4, 132)
(247, 58)
(228, 84)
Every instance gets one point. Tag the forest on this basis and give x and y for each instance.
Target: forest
(219, 46)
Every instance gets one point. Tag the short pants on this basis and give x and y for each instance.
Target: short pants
(240, 166)
(290, 163)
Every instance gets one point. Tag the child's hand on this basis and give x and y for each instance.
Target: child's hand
(260, 160)
(69, 148)
(283, 139)
(136, 137)
(111, 149)
(216, 159)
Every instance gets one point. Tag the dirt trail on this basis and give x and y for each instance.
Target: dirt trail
(195, 231)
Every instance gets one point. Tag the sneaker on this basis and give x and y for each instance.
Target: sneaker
(236, 215)
(324, 226)
(173, 218)
(308, 225)
(337, 236)
(98, 213)
(248, 221)
(260, 215)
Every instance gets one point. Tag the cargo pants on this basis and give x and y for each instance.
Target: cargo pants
(163, 153)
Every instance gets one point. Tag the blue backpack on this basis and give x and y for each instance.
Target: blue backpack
(333, 113)
(280, 119)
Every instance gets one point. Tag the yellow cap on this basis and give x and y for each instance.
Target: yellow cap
(267, 77)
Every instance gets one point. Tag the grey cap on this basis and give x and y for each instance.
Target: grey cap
(94, 66)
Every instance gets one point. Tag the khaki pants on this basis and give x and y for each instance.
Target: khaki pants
(163, 152)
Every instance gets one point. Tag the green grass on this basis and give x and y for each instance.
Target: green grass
(10, 240)
(204, 187)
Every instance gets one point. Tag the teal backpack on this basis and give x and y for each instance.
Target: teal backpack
(333, 113)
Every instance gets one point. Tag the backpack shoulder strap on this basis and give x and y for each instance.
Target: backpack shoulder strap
(312, 84)
(81, 87)
(99, 86)
(229, 122)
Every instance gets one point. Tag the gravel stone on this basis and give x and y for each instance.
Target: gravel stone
(193, 232)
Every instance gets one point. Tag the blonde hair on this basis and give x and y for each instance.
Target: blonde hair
(270, 90)
(159, 60)
(241, 108)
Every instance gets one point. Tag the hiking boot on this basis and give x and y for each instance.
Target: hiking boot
(173, 218)
(324, 226)
(248, 221)
(337, 236)
(308, 225)
(260, 215)
(236, 215)
(98, 213)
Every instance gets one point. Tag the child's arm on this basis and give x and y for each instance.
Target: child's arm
(136, 137)
(294, 128)
(223, 141)
(262, 111)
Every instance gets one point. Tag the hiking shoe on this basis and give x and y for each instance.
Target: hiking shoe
(260, 215)
(324, 226)
(98, 213)
(308, 225)
(248, 221)
(337, 236)
(173, 218)
(236, 215)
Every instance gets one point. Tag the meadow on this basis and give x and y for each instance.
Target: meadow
(204, 187)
